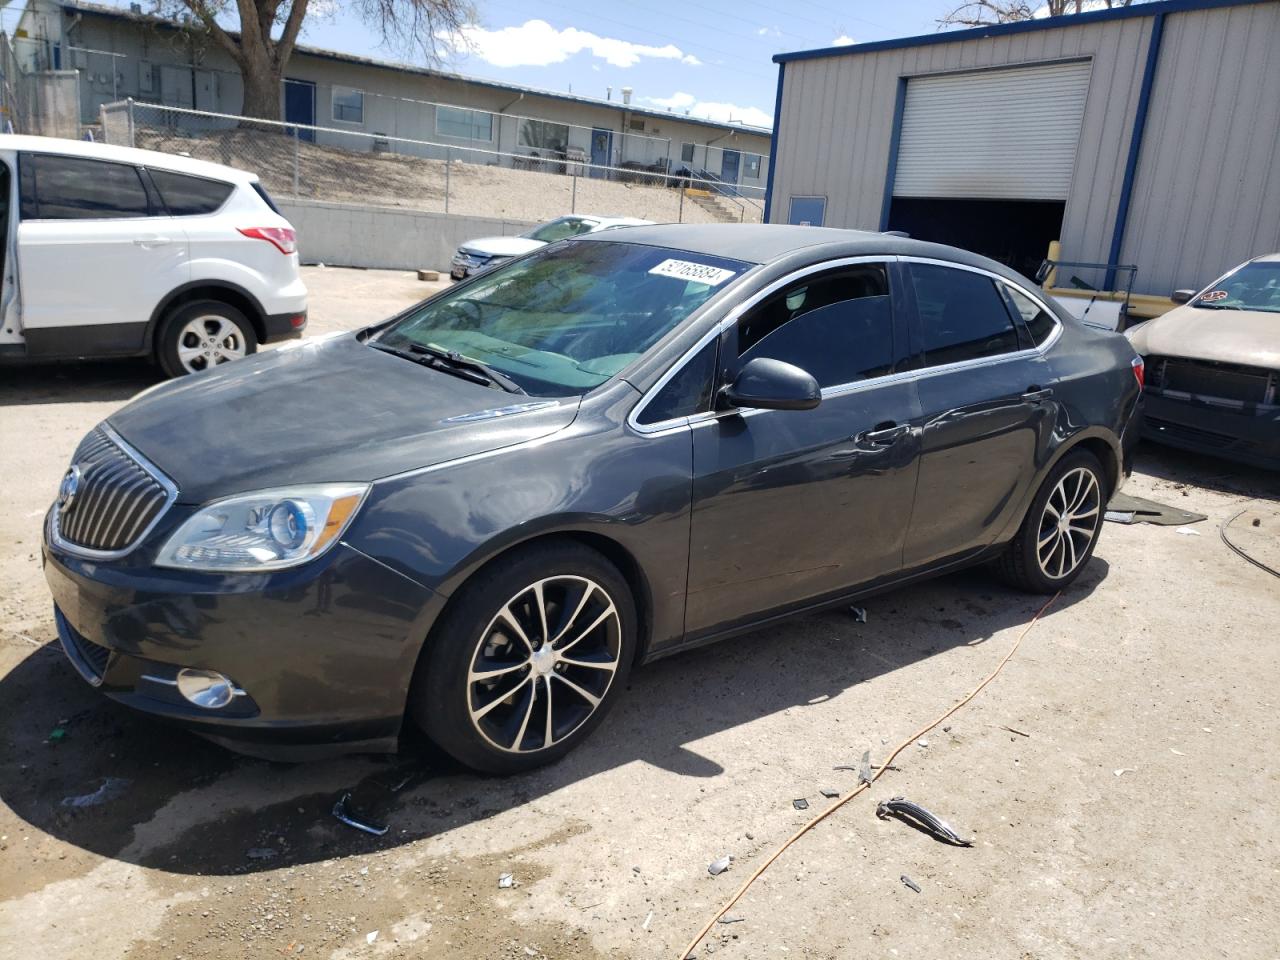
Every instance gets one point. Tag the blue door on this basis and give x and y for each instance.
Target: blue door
(300, 106)
(807, 211)
(601, 151)
(729, 165)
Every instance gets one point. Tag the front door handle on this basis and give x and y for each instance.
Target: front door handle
(148, 242)
(883, 435)
(1036, 394)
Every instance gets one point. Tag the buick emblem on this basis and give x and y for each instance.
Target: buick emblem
(67, 489)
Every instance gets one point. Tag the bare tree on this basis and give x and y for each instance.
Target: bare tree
(981, 13)
(269, 30)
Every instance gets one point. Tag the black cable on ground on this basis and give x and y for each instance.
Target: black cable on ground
(1222, 532)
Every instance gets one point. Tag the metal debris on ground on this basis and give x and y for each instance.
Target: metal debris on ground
(800, 803)
(1012, 730)
(110, 788)
(731, 920)
(859, 614)
(343, 813)
(864, 769)
(829, 793)
(506, 881)
(918, 816)
(909, 883)
(1126, 509)
(717, 867)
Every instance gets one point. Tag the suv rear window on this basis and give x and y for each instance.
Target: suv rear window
(261, 191)
(74, 188)
(187, 196)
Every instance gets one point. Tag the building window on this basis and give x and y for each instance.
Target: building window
(348, 105)
(637, 125)
(753, 167)
(464, 124)
(544, 135)
(686, 152)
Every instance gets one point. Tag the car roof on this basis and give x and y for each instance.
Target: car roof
(104, 151)
(766, 242)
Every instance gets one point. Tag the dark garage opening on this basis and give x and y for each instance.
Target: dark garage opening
(1015, 232)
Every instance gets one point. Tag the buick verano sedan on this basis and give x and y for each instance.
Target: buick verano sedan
(481, 514)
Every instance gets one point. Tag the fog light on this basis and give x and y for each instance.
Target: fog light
(206, 688)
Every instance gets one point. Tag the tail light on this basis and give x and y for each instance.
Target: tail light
(1139, 371)
(282, 238)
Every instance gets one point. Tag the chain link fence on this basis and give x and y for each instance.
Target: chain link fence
(344, 166)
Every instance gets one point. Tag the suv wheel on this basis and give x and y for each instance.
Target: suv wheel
(529, 659)
(1061, 529)
(200, 335)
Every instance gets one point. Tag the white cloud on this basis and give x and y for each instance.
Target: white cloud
(843, 40)
(536, 43)
(768, 32)
(680, 103)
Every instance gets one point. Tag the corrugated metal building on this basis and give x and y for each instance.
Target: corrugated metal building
(1144, 135)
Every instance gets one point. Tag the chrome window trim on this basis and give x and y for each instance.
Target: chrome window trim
(170, 491)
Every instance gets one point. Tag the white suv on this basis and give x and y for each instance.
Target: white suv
(116, 252)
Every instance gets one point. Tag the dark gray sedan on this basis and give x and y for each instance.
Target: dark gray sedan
(482, 513)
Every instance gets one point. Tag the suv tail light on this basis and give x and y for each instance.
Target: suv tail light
(282, 238)
(1139, 371)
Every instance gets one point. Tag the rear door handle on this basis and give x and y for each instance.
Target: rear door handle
(1036, 394)
(883, 435)
(148, 242)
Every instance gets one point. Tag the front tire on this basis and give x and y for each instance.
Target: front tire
(201, 335)
(1061, 528)
(527, 660)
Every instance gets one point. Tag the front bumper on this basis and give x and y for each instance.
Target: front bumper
(322, 655)
(1247, 434)
(464, 266)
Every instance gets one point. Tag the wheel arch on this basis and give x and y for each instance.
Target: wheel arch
(221, 290)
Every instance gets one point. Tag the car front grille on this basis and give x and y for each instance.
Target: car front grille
(89, 658)
(117, 498)
(1206, 378)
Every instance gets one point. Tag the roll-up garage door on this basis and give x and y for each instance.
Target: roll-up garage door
(999, 134)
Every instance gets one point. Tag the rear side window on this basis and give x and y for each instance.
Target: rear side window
(187, 196)
(686, 393)
(962, 315)
(1038, 321)
(74, 188)
(838, 326)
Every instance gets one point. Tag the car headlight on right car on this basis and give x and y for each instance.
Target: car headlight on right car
(262, 531)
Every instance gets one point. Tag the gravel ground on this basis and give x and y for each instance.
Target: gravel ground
(475, 189)
(1132, 814)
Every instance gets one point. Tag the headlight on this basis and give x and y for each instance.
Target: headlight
(268, 530)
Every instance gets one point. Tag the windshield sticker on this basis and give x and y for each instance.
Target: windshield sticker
(698, 272)
(1214, 295)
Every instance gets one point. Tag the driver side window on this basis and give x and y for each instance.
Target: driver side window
(838, 326)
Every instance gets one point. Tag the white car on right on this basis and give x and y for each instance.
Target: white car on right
(477, 255)
(1213, 367)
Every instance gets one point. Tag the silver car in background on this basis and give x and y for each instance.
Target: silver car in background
(477, 255)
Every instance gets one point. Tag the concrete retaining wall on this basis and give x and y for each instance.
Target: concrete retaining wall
(348, 235)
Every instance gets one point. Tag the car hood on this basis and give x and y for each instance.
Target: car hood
(325, 410)
(1249, 337)
(501, 246)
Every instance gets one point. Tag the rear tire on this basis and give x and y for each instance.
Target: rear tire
(501, 692)
(201, 335)
(1061, 528)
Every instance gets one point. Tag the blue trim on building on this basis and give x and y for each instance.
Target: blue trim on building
(773, 144)
(1025, 26)
(895, 138)
(1135, 147)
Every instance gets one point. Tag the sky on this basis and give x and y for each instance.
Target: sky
(710, 58)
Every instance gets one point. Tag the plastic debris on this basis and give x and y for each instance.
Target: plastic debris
(1187, 532)
(1118, 516)
(1176, 753)
(111, 788)
(829, 793)
(717, 867)
(647, 920)
(864, 769)
(370, 937)
(1118, 771)
(922, 742)
(800, 803)
(918, 816)
(909, 883)
(344, 814)
(506, 881)
(859, 614)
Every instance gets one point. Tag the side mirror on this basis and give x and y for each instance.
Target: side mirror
(768, 384)
(1182, 296)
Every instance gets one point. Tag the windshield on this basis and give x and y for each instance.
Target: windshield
(1255, 286)
(566, 318)
(561, 229)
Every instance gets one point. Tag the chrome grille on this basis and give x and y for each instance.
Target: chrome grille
(118, 498)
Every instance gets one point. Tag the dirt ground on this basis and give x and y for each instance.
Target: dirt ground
(1132, 815)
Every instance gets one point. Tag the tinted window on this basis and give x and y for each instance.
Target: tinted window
(962, 315)
(1038, 321)
(560, 229)
(686, 393)
(838, 326)
(261, 191)
(72, 188)
(186, 196)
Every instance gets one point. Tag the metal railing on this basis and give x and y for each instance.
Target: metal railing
(326, 163)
